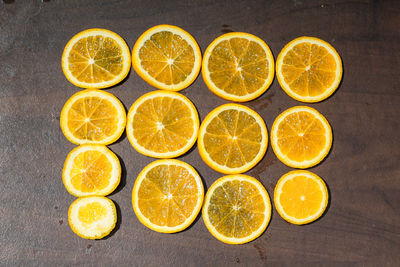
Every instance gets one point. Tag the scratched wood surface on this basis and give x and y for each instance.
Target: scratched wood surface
(362, 223)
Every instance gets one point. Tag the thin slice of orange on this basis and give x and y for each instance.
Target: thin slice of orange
(93, 116)
(232, 139)
(162, 124)
(309, 69)
(91, 170)
(300, 197)
(168, 195)
(237, 209)
(301, 137)
(92, 217)
(238, 66)
(96, 58)
(167, 57)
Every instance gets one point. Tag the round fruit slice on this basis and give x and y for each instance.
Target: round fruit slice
(96, 58)
(91, 170)
(237, 209)
(232, 139)
(301, 137)
(238, 66)
(309, 69)
(167, 196)
(93, 116)
(300, 197)
(167, 57)
(162, 124)
(92, 217)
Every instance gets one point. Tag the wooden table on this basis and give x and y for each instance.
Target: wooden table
(362, 223)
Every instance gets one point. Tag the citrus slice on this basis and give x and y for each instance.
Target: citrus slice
(238, 66)
(168, 195)
(91, 170)
(167, 57)
(300, 197)
(162, 124)
(237, 209)
(232, 139)
(93, 116)
(309, 69)
(92, 217)
(96, 58)
(301, 137)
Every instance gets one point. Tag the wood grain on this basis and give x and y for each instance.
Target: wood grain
(362, 224)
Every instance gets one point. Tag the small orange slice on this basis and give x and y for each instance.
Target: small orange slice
(91, 170)
(92, 217)
(300, 197)
(93, 116)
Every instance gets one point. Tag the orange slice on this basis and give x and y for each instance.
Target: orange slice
(237, 209)
(167, 57)
(238, 66)
(91, 170)
(92, 217)
(96, 58)
(300, 197)
(309, 69)
(301, 137)
(93, 116)
(162, 124)
(167, 196)
(232, 139)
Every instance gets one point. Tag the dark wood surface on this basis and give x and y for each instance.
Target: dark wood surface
(362, 223)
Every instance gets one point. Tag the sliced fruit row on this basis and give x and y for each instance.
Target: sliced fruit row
(236, 66)
(168, 195)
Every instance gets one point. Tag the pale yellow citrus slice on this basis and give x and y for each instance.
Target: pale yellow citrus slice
(96, 58)
(92, 217)
(237, 209)
(238, 66)
(162, 124)
(168, 195)
(91, 170)
(232, 139)
(301, 137)
(93, 116)
(167, 57)
(300, 197)
(309, 69)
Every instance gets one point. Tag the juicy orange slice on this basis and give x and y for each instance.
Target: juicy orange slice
(168, 195)
(162, 124)
(238, 66)
(92, 217)
(232, 139)
(167, 57)
(93, 116)
(91, 170)
(309, 69)
(237, 209)
(301, 137)
(96, 58)
(300, 197)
